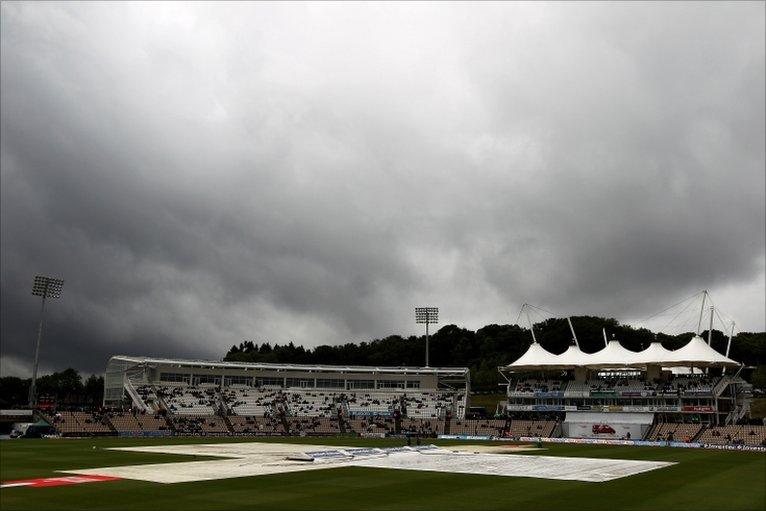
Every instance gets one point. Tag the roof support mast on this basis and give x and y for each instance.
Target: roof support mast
(728, 343)
(702, 311)
(531, 328)
(710, 329)
(574, 335)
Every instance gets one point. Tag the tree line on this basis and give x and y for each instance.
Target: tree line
(491, 346)
(65, 388)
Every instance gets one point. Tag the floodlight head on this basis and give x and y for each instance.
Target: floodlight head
(427, 315)
(47, 287)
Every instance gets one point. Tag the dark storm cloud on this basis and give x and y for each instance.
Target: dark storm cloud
(202, 174)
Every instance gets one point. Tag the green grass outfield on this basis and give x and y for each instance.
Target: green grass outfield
(702, 480)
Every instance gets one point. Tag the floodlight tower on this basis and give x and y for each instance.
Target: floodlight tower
(45, 287)
(429, 316)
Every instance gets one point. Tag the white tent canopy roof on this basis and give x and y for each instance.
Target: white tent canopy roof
(536, 357)
(655, 353)
(696, 353)
(574, 357)
(613, 355)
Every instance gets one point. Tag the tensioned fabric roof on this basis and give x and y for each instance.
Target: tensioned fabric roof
(695, 353)
(698, 350)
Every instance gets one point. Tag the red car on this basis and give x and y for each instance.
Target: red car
(599, 429)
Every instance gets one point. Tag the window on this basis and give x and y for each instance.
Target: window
(238, 380)
(361, 384)
(413, 384)
(174, 377)
(303, 383)
(207, 378)
(270, 382)
(390, 384)
(330, 384)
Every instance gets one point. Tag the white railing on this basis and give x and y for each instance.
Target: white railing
(740, 411)
(721, 386)
(134, 395)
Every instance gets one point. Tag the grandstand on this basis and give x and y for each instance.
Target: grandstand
(617, 393)
(208, 398)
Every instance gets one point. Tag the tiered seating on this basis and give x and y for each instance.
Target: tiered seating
(753, 435)
(326, 403)
(635, 387)
(151, 422)
(577, 389)
(189, 400)
(734, 435)
(256, 402)
(312, 403)
(371, 425)
(483, 427)
(195, 424)
(695, 385)
(461, 427)
(256, 425)
(132, 422)
(688, 385)
(660, 431)
(528, 387)
(125, 422)
(667, 388)
(720, 435)
(422, 427)
(80, 423)
(149, 396)
(428, 405)
(372, 403)
(599, 385)
(686, 432)
(531, 428)
(314, 425)
(676, 431)
(92, 422)
(620, 386)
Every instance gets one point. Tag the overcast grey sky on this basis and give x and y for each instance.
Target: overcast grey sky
(203, 173)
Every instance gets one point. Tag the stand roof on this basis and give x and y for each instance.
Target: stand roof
(696, 353)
